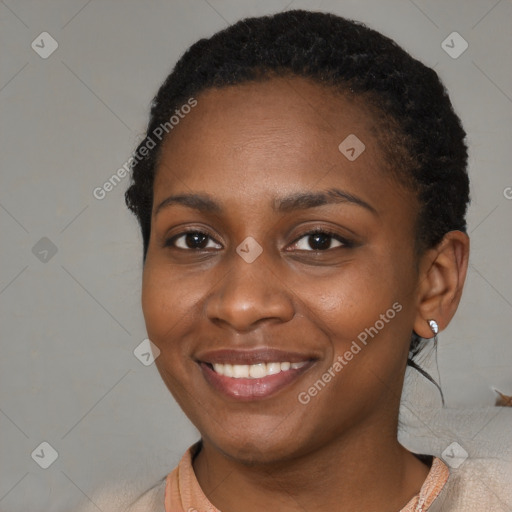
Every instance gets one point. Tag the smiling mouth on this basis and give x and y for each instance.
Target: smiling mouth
(254, 371)
(255, 381)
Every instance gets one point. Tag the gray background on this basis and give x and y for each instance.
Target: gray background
(70, 321)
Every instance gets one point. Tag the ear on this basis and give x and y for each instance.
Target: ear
(441, 280)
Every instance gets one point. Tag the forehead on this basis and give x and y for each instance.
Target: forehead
(285, 134)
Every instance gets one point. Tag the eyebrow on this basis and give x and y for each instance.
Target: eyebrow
(303, 201)
(300, 201)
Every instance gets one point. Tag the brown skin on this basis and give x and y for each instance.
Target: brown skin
(245, 146)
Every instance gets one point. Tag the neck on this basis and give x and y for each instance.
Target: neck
(357, 471)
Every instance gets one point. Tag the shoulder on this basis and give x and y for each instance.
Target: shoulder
(152, 499)
(478, 484)
(476, 444)
(128, 496)
(124, 497)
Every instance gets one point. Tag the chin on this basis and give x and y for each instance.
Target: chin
(258, 446)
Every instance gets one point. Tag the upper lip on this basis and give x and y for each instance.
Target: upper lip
(254, 356)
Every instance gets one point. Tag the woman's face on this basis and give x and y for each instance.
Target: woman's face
(249, 174)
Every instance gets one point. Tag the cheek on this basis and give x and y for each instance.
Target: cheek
(168, 308)
(349, 300)
(367, 319)
(168, 301)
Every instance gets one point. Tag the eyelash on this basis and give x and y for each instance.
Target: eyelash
(345, 243)
(319, 231)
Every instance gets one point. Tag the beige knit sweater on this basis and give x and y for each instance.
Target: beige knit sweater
(477, 486)
(482, 482)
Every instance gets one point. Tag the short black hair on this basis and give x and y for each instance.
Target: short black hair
(421, 136)
(425, 139)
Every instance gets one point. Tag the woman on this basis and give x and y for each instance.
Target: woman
(301, 192)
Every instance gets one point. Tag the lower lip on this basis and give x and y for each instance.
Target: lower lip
(252, 389)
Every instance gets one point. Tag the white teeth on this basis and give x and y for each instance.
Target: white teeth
(240, 371)
(228, 370)
(273, 368)
(255, 371)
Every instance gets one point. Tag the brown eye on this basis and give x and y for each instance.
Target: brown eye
(319, 241)
(193, 240)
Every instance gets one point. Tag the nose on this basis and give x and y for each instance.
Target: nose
(248, 295)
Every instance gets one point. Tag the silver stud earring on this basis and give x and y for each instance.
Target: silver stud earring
(433, 327)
